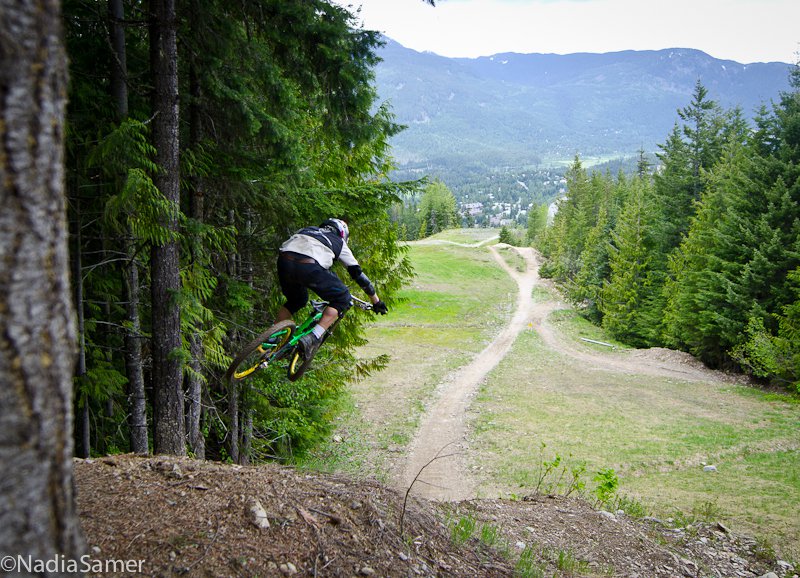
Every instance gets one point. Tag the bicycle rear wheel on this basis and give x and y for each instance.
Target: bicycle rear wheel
(262, 349)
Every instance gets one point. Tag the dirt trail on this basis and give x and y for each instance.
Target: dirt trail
(436, 462)
(437, 454)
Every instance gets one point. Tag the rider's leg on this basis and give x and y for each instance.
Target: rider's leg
(290, 276)
(329, 316)
(328, 286)
(284, 314)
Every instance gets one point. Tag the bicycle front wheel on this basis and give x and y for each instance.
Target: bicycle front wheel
(297, 365)
(260, 352)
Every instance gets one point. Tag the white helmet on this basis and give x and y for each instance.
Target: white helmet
(338, 225)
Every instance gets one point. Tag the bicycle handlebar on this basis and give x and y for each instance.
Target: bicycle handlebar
(360, 303)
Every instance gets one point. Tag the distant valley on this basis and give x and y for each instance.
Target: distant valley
(539, 110)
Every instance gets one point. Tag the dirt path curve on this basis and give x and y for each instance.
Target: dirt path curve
(435, 467)
(437, 455)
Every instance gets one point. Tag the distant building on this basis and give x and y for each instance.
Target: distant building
(472, 208)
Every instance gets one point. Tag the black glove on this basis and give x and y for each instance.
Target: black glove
(380, 307)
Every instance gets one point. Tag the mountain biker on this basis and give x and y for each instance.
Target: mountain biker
(304, 262)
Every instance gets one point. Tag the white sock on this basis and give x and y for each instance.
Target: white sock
(318, 331)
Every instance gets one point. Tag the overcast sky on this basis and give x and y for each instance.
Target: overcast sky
(742, 30)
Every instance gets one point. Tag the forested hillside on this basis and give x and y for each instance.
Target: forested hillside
(524, 110)
(703, 254)
(199, 137)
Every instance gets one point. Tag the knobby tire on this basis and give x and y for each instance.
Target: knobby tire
(235, 373)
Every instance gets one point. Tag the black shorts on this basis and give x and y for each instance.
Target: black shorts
(297, 275)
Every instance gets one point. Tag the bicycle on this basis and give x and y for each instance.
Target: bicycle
(281, 341)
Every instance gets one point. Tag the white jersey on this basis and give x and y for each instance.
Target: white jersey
(318, 250)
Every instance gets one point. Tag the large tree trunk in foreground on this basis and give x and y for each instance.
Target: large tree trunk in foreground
(37, 342)
(168, 413)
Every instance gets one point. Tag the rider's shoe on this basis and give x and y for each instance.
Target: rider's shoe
(309, 344)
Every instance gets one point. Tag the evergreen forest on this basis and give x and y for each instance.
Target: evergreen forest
(200, 136)
(699, 253)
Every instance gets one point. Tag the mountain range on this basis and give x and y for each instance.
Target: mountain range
(539, 109)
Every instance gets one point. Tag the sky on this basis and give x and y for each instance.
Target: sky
(745, 31)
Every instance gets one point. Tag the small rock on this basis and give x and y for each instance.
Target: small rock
(607, 515)
(288, 568)
(366, 571)
(769, 575)
(95, 549)
(258, 516)
(709, 468)
(337, 439)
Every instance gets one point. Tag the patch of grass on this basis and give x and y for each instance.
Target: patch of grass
(513, 259)
(655, 433)
(528, 564)
(467, 236)
(540, 294)
(573, 324)
(463, 529)
(490, 535)
(567, 562)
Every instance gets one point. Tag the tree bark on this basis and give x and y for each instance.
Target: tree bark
(37, 344)
(119, 65)
(82, 425)
(194, 389)
(168, 413)
(137, 403)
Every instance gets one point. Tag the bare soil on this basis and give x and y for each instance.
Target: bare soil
(196, 518)
(184, 517)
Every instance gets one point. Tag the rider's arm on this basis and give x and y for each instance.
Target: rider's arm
(354, 269)
(361, 278)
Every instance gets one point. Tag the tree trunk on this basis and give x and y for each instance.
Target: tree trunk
(37, 344)
(233, 416)
(247, 438)
(194, 413)
(194, 410)
(168, 414)
(137, 407)
(119, 65)
(82, 425)
(137, 402)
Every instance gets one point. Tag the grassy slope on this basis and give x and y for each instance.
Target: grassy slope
(655, 433)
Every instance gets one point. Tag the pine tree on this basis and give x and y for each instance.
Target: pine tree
(537, 223)
(706, 264)
(437, 209)
(564, 241)
(586, 289)
(629, 283)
